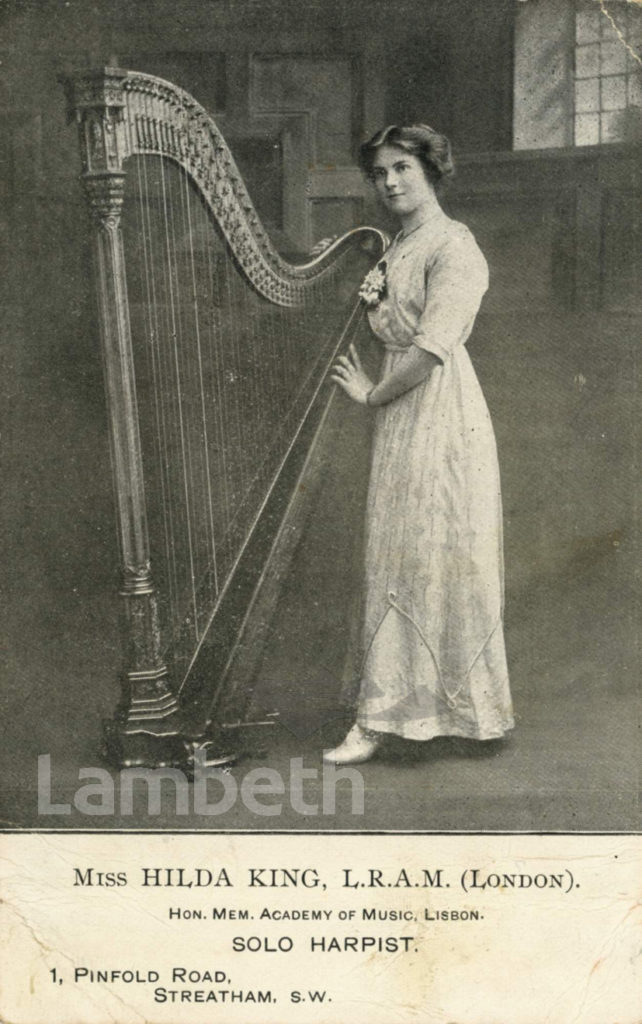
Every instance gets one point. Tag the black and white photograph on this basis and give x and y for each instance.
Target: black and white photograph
(318, 424)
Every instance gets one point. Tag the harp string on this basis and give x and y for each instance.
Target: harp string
(219, 395)
(150, 321)
(206, 394)
(170, 397)
(254, 363)
(253, 360)
(200, 480)
(262, 370)
(275, 370)
(166, 393)
(184, 376)
(242, 383)
(170, 231)
(203, 497)
(232, 378)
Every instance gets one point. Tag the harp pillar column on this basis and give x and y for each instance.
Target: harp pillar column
(146, 726)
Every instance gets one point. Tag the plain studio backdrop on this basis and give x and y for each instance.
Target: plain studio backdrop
(541, 101)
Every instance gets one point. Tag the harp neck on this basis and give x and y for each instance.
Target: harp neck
(122, 114)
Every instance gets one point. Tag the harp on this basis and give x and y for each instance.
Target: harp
(215, 352)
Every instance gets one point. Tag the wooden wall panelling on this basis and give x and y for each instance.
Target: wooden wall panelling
(591, 202)
(202, 73)
(505, 93)
(22, 152)
(298, 129)
(314, 84)
(319, 100)
(237, 87)
(588, 244)
(516, 234)
(373, 88)
(621, 255)
(334, 215)
(564, 248)
(416, 67)
(260, 161)
(272, 155)
(291, 135)
(340, 200)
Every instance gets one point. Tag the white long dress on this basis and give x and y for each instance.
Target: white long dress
(432, 658)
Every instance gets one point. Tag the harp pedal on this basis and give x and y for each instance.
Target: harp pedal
(208, 754)
(271, 718)
(215, 753)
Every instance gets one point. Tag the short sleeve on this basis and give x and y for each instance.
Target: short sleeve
(456, 280)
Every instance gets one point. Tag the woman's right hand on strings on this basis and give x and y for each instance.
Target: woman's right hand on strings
(349, 374)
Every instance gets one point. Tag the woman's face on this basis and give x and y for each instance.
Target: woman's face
(400, 180)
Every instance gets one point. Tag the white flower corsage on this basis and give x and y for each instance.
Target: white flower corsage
(373, 289)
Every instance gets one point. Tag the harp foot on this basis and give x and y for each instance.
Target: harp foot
(125, 749)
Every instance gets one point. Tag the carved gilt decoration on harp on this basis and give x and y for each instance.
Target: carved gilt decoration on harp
(215, 352)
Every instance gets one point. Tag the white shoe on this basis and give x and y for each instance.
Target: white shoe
(358, 746)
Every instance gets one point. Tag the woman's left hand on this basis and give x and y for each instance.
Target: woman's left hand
(349, 374)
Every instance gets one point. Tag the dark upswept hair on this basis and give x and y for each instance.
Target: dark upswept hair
(431, 149)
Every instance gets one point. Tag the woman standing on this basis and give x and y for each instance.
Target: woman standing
(432, 660)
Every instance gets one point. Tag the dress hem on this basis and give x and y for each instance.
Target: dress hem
(433, 732)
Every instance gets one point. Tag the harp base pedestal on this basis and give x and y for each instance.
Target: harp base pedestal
(125, 749)
(167, 744)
